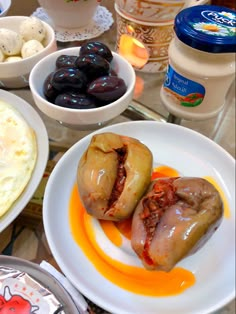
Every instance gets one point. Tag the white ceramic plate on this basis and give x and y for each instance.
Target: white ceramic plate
(34, 120)
(191, 154)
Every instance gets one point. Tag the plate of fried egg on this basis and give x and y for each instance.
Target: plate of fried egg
(24, 152)
(140, 217)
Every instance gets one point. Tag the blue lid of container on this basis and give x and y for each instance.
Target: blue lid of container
(208, 28)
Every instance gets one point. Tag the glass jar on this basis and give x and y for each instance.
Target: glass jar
(201, 62)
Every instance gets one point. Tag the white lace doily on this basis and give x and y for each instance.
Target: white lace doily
(101, 22)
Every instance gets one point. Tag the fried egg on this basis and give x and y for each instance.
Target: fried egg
(18, 155)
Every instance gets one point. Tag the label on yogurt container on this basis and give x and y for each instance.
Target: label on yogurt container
(223, 18)
(20, 298)
(22, 294)
(182, 90)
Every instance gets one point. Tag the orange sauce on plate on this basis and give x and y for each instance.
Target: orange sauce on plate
(132, 278)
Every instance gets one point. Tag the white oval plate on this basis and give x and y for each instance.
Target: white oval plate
(192, 154)
(35, 121)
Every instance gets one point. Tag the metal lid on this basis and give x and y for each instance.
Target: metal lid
(208, 28)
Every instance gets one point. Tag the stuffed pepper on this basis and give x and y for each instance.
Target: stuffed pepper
(113, 174)
(173, 220)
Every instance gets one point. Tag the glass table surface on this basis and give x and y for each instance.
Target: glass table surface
(25, 237)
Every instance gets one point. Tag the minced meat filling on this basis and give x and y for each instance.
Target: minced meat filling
(155, 204)
(121, 176)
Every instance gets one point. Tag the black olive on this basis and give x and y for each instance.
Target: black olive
(93, 65)
(112, 72)
(107, 88)
(48, 90)
(69, 78)
(65, 61)
(75, 101)
(97, 48)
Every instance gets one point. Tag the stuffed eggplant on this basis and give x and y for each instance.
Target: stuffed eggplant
(173, 220)
(113, 174)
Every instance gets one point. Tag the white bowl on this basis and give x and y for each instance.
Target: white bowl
(4, 7)
(16, 74)
(80, 118)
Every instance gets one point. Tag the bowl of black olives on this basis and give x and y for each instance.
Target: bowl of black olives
(83, 87)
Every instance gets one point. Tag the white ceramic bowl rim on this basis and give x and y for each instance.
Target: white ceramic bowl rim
(49, 30)
(62, 109)
(5, 5)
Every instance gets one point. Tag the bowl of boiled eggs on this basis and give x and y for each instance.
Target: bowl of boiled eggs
(23, 42)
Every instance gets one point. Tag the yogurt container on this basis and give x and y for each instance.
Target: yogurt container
(26, 288)
(201, 62)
